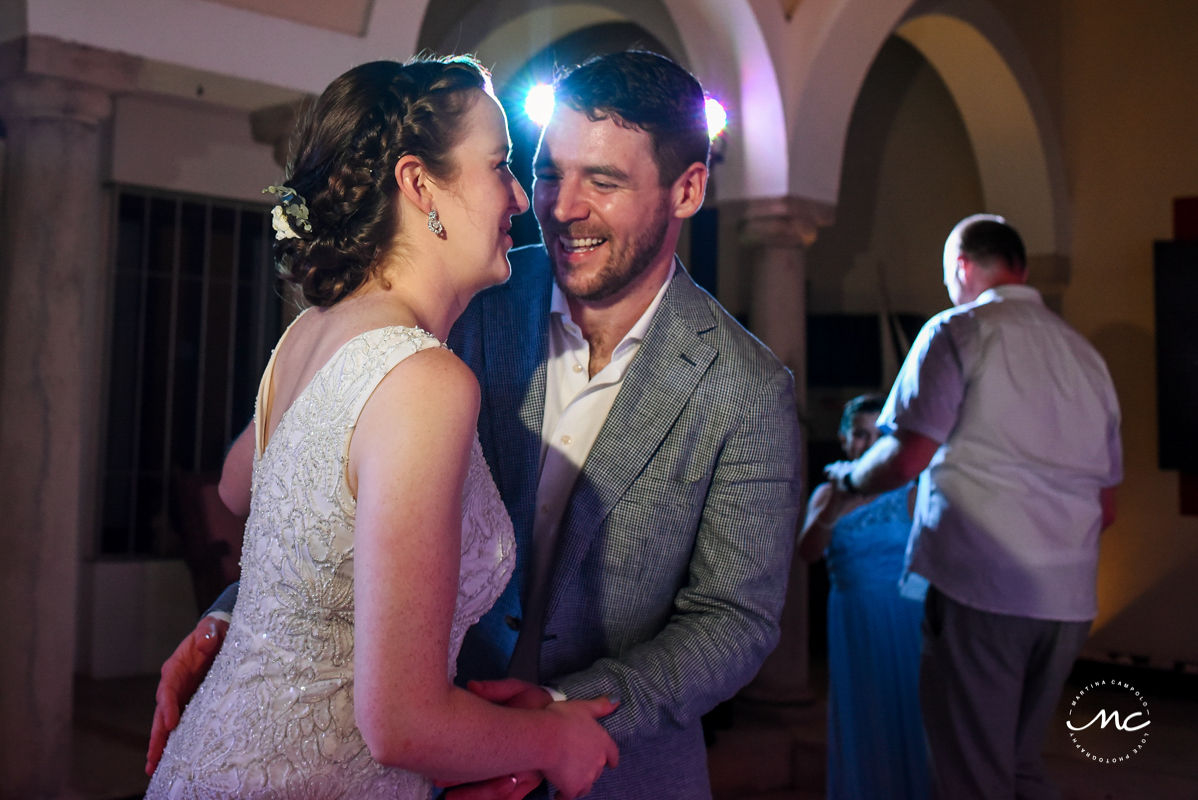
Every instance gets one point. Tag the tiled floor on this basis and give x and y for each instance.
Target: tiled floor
(758, 753)
(112, 729)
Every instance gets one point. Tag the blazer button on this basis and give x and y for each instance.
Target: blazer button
(512, 622)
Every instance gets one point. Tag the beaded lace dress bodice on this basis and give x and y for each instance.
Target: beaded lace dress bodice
(275, 716)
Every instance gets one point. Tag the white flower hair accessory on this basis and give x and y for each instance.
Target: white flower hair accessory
(289, 210)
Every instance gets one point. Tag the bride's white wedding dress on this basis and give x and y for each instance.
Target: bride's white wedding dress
(275, 716)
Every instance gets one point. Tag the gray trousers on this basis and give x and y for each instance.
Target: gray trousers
(988, 685)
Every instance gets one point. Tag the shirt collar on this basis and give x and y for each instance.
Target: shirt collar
(1010, 291)
(560, 306)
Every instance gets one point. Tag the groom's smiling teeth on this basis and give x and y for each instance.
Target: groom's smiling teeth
(580, 245)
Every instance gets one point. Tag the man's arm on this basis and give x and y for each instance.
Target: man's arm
(893, 460)
(919, 414)
(237, 471)
(182, 674)
(725, 621)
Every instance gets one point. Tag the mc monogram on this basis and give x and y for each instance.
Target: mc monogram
(1104, 718)
(1121, 712)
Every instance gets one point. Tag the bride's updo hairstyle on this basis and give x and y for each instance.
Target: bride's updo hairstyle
(342, 164)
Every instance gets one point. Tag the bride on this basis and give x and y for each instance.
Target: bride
(376, 536)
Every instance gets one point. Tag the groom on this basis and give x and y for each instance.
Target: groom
(644, 443)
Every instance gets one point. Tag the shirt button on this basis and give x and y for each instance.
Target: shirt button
(567, 440)
(577, 367)
(545, 509)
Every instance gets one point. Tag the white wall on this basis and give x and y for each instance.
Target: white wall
(223, 40)
(170, 144)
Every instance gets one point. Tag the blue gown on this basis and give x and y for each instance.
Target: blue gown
(875, 736)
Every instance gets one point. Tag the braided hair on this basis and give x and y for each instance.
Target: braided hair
(342, 163)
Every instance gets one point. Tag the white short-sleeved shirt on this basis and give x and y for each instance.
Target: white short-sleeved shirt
(1008, 513)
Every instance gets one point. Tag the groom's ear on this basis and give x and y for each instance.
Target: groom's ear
(688, 191)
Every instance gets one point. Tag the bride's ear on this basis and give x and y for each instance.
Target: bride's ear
(414, 183)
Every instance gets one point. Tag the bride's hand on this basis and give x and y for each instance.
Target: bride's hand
(585, 748)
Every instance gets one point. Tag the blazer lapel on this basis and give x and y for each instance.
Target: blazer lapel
(671, 361)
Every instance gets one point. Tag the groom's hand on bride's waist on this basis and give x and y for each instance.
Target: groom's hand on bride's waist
(182, 674)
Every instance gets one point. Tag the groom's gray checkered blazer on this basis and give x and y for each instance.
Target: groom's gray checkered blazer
(674, 549)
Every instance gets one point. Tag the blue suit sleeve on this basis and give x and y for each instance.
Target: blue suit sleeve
(224, 604)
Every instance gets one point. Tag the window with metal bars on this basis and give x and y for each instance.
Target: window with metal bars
(195, 308)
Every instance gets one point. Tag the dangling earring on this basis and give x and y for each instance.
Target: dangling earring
(434, 224)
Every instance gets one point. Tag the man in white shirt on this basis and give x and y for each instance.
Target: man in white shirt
(1010, 419)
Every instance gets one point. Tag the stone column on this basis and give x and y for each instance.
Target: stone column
(774, 235)
(52, 286)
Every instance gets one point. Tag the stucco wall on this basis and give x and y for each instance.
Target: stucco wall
(1130, 127)
(908, 172)
(187, 147)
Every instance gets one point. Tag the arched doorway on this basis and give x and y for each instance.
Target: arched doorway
(948, 119)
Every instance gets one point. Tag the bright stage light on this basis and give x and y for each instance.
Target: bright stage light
(538, 103)
(717, 117)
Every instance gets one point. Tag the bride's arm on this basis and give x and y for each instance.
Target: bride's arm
(408, 461)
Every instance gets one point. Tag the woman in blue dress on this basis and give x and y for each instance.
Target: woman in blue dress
(875, 737)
